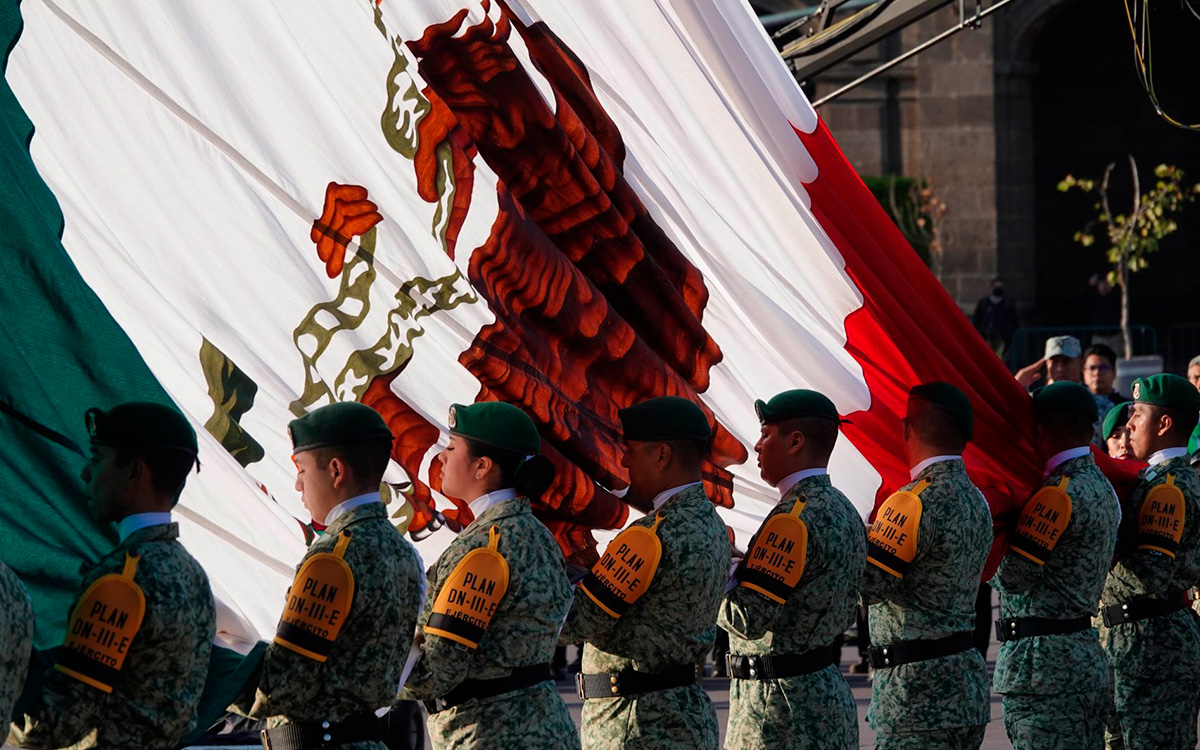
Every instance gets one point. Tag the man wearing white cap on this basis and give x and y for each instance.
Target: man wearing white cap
(1062, 360)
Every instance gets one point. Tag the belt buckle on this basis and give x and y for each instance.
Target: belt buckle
(879, 657)
(579, 686)
(266, 739)
(729, 663)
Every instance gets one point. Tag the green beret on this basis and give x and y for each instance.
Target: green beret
(337, 424)
(664, 418)
(497, 424)
(1116, 417)
(1168, 391)
(950, 400)
(141, 424)
(1068, 397)
(793, 404)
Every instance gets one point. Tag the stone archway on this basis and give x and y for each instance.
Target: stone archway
(1017, 28)
(1068, 100)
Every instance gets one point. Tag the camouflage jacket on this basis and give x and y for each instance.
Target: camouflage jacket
(817, 706)
(933, 599)
(673, 622)
(1158, 647)
(1065, 584)
(825, 601)
(522, 632)
(362, 670)
(16, 633)
(154, 699)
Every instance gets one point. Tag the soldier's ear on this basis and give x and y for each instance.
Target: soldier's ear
(795, 442)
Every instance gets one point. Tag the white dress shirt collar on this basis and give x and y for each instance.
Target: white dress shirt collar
(1058, 459)
(666, 495)
(349, 505)
(483, 502)
(1166, 454)
(791, 480)
(914, 471)
(138, 521)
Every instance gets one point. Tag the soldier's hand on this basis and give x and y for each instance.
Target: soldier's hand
(1030, 374)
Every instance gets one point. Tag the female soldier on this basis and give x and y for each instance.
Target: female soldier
(497, 596)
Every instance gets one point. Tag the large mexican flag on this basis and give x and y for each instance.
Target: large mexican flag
(254, 209)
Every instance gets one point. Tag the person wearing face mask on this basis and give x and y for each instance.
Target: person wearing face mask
(1150, 637)
(130, 673)
(996, 319)
(496, 597)
(647, 612)
(345, 632)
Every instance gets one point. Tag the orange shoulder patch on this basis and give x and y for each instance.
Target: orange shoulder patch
(1161, 519)
(318, 603)
(775, 563)
(102, 628)
(892, 541)
(1043, 521)
(626, 569)
(471, 595)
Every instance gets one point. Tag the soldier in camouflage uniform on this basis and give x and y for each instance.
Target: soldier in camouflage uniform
(341, 644)
(792, 601)
(926, 552)
(119, 682)
(497, 596)
(647, 611)
(1050, 668)
(16, 633)
(1150, 636)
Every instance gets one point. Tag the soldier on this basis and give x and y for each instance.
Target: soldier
(797, 590)
(926, 551)
(16, 633)
(497, 596)
(1116, 437)
(1152, 641)
(648, 610)
(351, 611)
(133, 666)
(1050, 669)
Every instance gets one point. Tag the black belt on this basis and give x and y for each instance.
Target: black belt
(906, 652)
(1142, 609)
(778, 666)
(631, 682)
(1014, 628)
(307, 735)
(521, 677)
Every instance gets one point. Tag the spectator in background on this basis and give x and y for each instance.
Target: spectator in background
(996, 319)
(1100, 372)
(1062, 361)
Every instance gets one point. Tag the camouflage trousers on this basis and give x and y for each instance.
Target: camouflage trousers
(1067, 721)
(1153, 714)
(810, 712)
(955, 738)
(529, 718)
(681, 718)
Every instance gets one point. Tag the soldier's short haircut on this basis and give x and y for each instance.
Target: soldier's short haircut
(1069, 425)
(1182, 421)
(367, 460)
(820, 434)
(169, 469)
(688, 453)
(935, 427)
